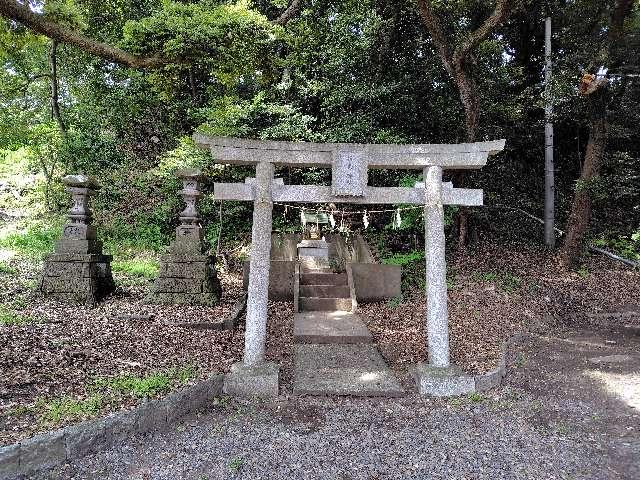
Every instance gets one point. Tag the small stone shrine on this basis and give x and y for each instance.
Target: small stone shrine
(187, 274)
(313, 250)
(78, 271)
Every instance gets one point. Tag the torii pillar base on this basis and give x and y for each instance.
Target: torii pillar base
(442, 381)
(252, 380)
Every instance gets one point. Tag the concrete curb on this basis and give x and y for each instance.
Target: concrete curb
(232, 320)
(493, 378)
(50, 449)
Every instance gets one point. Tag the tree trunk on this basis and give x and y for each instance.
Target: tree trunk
(469, 98)
(55, 101)
(580, 216)
(471, 104)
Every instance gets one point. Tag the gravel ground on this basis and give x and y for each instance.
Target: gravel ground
(557, 418)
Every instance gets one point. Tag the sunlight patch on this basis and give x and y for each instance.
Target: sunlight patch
(625, 386)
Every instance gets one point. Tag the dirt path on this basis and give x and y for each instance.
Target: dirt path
(569, 410)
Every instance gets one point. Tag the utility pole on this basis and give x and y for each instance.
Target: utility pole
(549, 181)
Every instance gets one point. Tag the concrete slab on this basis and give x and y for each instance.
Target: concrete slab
(330, 327)
(332, 369)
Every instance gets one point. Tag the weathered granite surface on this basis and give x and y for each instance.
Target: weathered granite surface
(330, 327)
(259, 380)
(442, 381)
(78, 271)
(187, 275)
(347, 369)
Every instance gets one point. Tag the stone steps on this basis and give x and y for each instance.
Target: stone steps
(332, 279)
(330, 327)
(325, 304)
(325, 291)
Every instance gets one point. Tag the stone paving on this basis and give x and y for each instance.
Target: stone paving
(330, 327)
(335, 355)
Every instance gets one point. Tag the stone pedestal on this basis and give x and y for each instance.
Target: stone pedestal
(314, 254)
(187, 275)
(259, 380)
(77, 271)
(442, 381)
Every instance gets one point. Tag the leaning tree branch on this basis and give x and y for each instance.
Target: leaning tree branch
(290, 12)
(438, 36)
(500, 13)
(39, 23)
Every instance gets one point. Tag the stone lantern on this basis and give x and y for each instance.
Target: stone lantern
(78, 271)
(187, 274)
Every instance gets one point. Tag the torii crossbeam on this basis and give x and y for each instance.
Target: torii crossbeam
(350, 164)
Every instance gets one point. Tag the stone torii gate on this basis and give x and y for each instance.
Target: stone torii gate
(350, 164)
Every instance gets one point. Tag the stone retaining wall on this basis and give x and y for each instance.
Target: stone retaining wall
(71, 443)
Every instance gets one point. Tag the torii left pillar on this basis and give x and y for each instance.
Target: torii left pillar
(254, 376)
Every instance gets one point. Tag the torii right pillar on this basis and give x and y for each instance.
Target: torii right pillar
(437, 376)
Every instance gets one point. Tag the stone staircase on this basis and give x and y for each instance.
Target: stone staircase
(334, 349)
(324, 292)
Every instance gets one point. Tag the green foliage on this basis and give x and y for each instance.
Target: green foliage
(35, 240)
(235, 464)
(137, 267)
(627, 246)
(413, 268)
(476, 397)
(66, 408)
(505, 280)
(583, 271)
(9, 317)
(143, 387)
(256, 118)
(7, 269)
(396, 301)
(231, 38)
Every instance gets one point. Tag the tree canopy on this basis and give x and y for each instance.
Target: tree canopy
(133, 79)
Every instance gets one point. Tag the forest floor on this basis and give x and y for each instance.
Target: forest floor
(62, 363)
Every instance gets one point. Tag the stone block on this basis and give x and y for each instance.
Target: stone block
(185, 258)
(488, 380)
(185, 270)
(441, 381)
(119, 426)
(252, 380)
(178, 285)
(67, 284)
(191, 233)
(150, 416)
(70, 269)
(77, 257)
(85, 438)
(79, 231)
(185, 246)
(42, 451)
(374, 282)
(9, 461)
(70, 245)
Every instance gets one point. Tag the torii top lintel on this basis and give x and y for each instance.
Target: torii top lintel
(306, 154)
